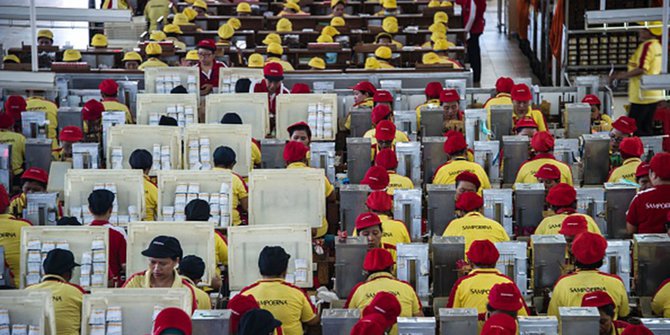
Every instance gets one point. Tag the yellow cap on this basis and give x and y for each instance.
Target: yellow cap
(181, 19)
(192, 55)
(99, 40)
(226, 31)
(330, 31)
(434, 37)
(337, 22)
(433, 3)
(256, 61)
(323, 38)
(446, 4)
(243, 7)
(272, 38)
(71, 55)
(656, 31)
(172, 29)
(200, 3)
(442, 44)
(437, 27)
(157, 36)
(317, 63)
(190, 1)
(235, 23)
(284, 25)
(334, 3)
(131, 55)
(389, 4)
(372, 63)
(11, 58)
(430, 58)
(382, 35)
(46, 33)
(383, 52)
(390, 24)
(292, 5)
(275, 48)
(441, 17)
(153, 49)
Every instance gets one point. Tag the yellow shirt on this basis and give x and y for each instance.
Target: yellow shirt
(536, 115)
(51, 111)
(432, 103)
(605, 124)
(152, 62)
(551, 225)
(67, 299)
(367, 103)
(255, 154)
(240, 192)
(10, 239)
(329, 190)
(287, 303)
(399, 136)
(150, 199)
(385, 65)
(393, 231)
(204, 302)
(504, 99)
(625, 171)
(114, 105)
(569, 290)
(120, 4)
(284, 64)
(17, 204)
(472, 291)
(143, 280)
(18, 142)
(154, 9)
(447, 173)
(475, 226)
(363, 293)
(221, 250)
(647, 57)
(529, 168)
(398, 182)
(660, 304)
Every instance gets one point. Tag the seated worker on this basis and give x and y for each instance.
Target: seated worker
(329, 31)
(562, 200)
(243, 9)
(466, 181)
(15, 139)
(364, 92)
(432, 92)
(379, 265)
(606, 307)
(503, 97)
(153, 51)
(172, 320)
(185, 18)
(385, 134)
(225, 33)
(164, 254)
(660, 303)
(45, 38)
(438, 27)
(371, 324)
(472, 290)
(14, 106)
(120, 4)
(68, 136)
(383, 54)
(521, 99)
(256, 61)
(239, 305)
(631, 149)
(393, 231)
(589, 250)
(273, 74)
(154, 10)
(370, 226)
(235, 23)
(387, 159)
(192, 268)
(91, 116)
(451, 105)
(441, 48)
(337, 8)
(234, 118)
(300, 132)
(284, 25)
(274, 53)
(572, 226)
(338, 22)
(642, 177)
(109, 90)
(41, 104)
(382, 311)
(141, 159)
(291, 8)
(376, 178)
(191, 58)
(504, 299)
(131, 60)
(100, 204)
(599, 121)
(260, 321)
(67, 298)
(224, 159)
(383, 113)
(295, 307)
(200, 7)
(390, 27)
(71, 56)
(648, 210)
(272, 38)
(209, 66)
(434, 37)
(542, 144)
(10, 59)
(33, 180)
(99, 41)
(499, 323)
(455, 147)
(172, 33)
(525, 127)
(549, 175)
(621, 128)
(383, 97)
(317, 63)
(300, 88)
(10, 238)
(390, 8)
(472, 224)
(199, 210)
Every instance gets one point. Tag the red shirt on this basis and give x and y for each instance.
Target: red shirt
(262, 87)
(117, 249)
(212, 77)
(649, 209)
(473, 15)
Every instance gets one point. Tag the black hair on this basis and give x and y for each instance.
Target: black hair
(23, 181)
(608, 310)
(300, 127)
(555, 208)
(270, 54)
(140, 159)
(242, 85)
(100, 202)
(592, 266)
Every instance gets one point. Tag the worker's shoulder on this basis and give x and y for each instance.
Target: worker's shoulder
(135, 277)
(74, 287)
(664, 286)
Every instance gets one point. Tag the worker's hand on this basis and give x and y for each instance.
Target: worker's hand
(342, 235)
(206, 89)
(216, 282)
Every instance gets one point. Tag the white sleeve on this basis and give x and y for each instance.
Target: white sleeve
(471, 17)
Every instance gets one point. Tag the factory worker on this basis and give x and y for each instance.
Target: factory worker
(33, 180)
(238, 306)
(642, 176)
(542, 144)
(631, 149)
(364, 92)
(274, 53)
(141, 159)
(192, 268)
(15, 139)
(521, 99)
(648, 210)
(599, 121)
(273, 76)
(243, 9)
(260, 321)
(209, 66)
(562, 200)
(234, 118)
(383, 310)
(68, 136)
(199, 210)
(380, 113)
(503, 96)
(606, 308)
(393, 231)
(109, 90)
(225, 159)
(432, 92)
(456, 149)
(101, 205)
(383, 54)
(549, 175)
(472, 224)
(377, 178)
(466, 181)
(10, 237)
(451, 106)
(387, 159)
(153, 51)
(499, 324)
(45, 38)
(41, 104)
(131, 60)
(172, 321)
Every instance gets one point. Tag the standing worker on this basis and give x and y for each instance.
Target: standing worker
(101, 204)
(16, 140)
(209, 66)
(273, 74)
(648, 211)
(474, 11)
(109, 90)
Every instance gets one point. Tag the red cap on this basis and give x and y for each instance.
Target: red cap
(382, 96)
(6, 121)
(4, 199)
(433, 90)
(631, 147)
(561, 195)
(377, 259)
(294, 152)
(36, 174)
(300, 88)
(172, 317)
(591, 99)
(273, 71)
(385, 131)
(574, 225)
(380, 112)
(659, 164)
(299, 124)
(14, 105)
(521, 92)
(384, 304)
(637, 330)
(208, 44)
(469, 177)
(505, 297)
(377, 178)
(449, 95)
(239, 305)
(642, 170)
(469, 201)
(483, 252)
(369, 325)
(625, 124)
(499, 324)
(504, 85)
(71, 134)
(548, 171)
(365, 86)
(454, 142)
(92, 110)
(379, 201)
(542, 141)
(589, 248)
(525, 123)
(597, 299)
(387, 159)
(366, 220)
(109, 87)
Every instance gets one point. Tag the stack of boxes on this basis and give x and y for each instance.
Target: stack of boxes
(17, 329)
(86, 217)
(184, 115)
(165, 84)
(320, 119)
(199, 154)
(161, 158)
(219, 203)
(93, 262)
(228, 84)
(106, 322)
